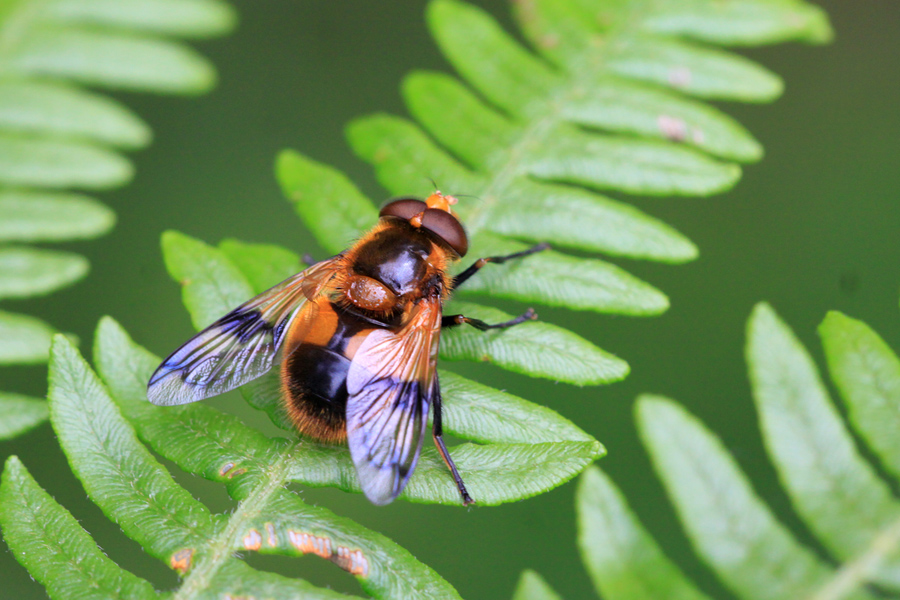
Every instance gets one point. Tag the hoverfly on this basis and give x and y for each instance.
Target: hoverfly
(356, 337)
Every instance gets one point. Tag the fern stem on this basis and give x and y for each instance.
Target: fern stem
(506, 173)
(857, 572)
(221, 547)
(542, 122)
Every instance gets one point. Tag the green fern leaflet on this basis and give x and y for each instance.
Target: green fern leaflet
(839, 495)
(57, 137)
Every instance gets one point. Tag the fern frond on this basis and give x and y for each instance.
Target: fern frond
(833, 488)
(19, 414)
(602, 106)
(133, 489)
(722, 515)
(23, 340)
(847, 506)
(55, 135)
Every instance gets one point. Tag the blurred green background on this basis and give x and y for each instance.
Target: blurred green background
(815, 226)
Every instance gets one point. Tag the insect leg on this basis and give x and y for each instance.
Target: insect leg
(462, 277)
(438, 433)
(454, 320)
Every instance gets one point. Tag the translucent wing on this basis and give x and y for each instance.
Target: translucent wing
(240, 346)
(390, 385)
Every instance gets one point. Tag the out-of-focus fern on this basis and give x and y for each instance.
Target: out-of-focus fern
(57, 137)
(846, 505)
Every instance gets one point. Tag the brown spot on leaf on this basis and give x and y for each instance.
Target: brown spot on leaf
(270, 537)
(352, 561)
(228, 470)
(672, 128)
(252, 541)
(307, 543)
(181, 561)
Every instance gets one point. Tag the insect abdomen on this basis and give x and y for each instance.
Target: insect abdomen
(314, 383)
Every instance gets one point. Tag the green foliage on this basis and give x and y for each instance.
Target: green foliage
(845, 503)
(25, 340)
(54, 548)
(28, 272)
(533, 587)
(51, 217)
(20, 413)
(537, 349)
(619, 555)
(603, 107)
(721, 513)
(133, 489)
(867, 374)
(832, 487)
(55, 135)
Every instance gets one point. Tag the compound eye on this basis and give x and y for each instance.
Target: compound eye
(404, 208)
(448, 228)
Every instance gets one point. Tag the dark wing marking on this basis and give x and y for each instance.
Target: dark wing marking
(240, 346)
(390, 386)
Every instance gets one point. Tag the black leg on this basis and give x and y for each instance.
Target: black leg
(438, 434)
(454, 320)
(462, 277)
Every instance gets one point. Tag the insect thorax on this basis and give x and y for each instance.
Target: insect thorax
(397, 256)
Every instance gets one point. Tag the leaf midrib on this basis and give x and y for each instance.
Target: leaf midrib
(220, 549)
(855, 573)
